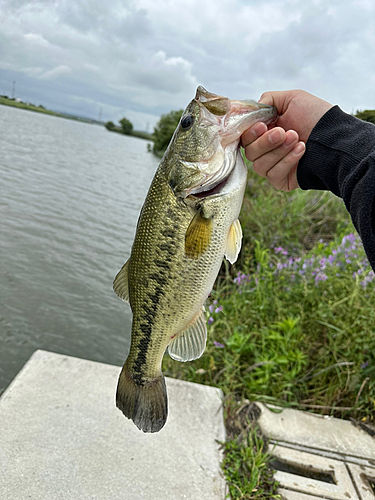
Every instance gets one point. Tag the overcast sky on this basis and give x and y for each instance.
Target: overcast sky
(142, 58)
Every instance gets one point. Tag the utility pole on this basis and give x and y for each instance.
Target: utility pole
(100, 114)
(14, 89)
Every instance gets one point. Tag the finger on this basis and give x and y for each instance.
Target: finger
(265, 144)
(283, 175)
(279, 99)
(268, 161)
(265, 162)
(252, 133)
(266, 98)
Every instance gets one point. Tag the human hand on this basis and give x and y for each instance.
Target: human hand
(275, 152)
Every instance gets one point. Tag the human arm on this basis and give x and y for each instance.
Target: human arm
(339, 156)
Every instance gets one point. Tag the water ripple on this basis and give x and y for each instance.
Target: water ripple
(70, 196)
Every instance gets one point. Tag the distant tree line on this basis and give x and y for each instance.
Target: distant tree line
(368, 115)
(164, 130)
(126, 127)
(161, 136)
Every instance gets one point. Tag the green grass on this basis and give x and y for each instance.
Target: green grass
(134, 133)
(292, 323)
(23, 105)
(41, 109)
(246, 468)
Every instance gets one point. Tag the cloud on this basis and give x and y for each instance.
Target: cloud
(146, 57)
(55, 72)
(162, 73)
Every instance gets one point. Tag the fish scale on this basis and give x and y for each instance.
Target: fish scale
(188, 223)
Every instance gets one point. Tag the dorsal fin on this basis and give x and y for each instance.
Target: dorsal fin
(121, 283)
(190, 343)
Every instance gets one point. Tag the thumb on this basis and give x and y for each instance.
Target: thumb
(266, 98)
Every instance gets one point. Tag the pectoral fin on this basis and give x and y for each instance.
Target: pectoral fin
(191, 342)
(121, 283)
(233, 242)
(198, 236)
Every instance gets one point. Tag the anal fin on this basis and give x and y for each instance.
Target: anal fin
(190, 343)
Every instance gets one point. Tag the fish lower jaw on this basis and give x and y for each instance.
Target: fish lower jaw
(210, 190)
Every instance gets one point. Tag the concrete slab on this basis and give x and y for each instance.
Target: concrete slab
(296, 495)
(61, 437)
(317, 431)
(363, 477)
(328, 478)
(319, 457)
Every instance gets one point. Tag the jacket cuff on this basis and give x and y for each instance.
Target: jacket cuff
(336, 145)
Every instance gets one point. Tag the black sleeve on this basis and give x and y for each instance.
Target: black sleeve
(340, 157)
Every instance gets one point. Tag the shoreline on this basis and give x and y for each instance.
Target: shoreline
(38, 109)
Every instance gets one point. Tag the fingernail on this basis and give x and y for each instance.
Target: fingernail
(290, 138)
(266, 99)
(275, 136)
(258, 129)
(299, 148)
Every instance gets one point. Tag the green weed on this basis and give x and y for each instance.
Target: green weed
(246, 467)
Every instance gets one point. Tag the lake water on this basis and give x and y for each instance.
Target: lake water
(70, 196)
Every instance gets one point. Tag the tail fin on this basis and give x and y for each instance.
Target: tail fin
(146, 405)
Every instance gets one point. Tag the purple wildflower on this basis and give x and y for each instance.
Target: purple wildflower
(241, 278)
(368, 279)
(217, 344)
(331, 259)
(320, 277)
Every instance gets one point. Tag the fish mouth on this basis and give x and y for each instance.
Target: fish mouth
(233, 118)
(214, 190)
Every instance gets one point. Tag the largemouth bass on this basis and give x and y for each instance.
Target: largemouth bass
(188, 223)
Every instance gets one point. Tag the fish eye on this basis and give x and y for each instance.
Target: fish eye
(187, 121)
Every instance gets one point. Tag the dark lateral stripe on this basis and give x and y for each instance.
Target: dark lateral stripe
(162, 264)
(140, 361)
(168, 248)
(168, 233)
(159, 279)
(150, 314)
(146, 329)
(156, 296)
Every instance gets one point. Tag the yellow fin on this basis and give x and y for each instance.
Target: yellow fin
(191, 342)
(121, 283)
(198, 236)
(233, 242)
